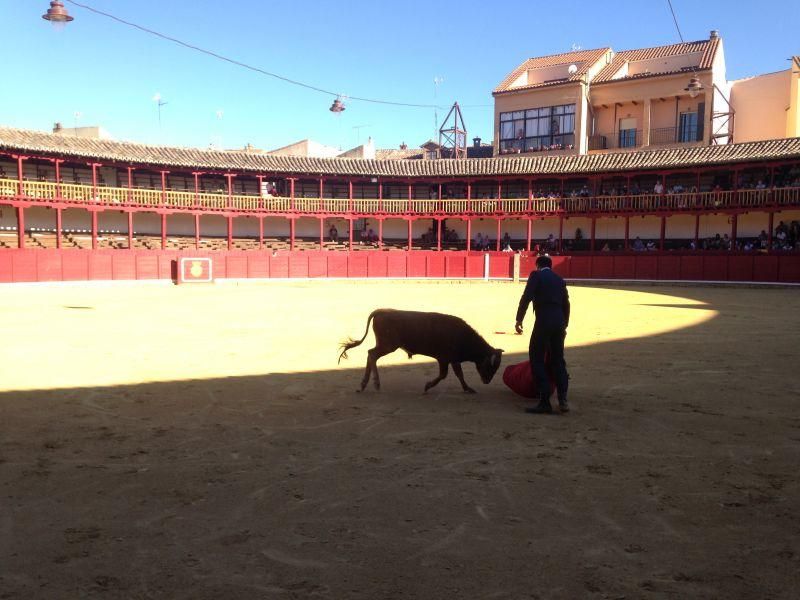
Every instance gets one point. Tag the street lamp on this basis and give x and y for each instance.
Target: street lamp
(337, 106)
(57, 14)
(694, 87)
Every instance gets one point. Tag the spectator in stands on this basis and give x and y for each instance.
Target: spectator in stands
(333, 234)
(550, 243)
(506, 240)
(658, 188)
(371, 236)
(578, 234)
(605, 248)
(479, 241)
(638, 245)
(651, 246)
(761, 185)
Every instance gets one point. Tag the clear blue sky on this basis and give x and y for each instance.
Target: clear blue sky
(388, 50)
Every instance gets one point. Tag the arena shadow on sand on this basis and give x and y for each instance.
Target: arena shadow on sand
(674, 476)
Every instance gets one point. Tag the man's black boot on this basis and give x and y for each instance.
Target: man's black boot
(563, 406)
(542, 408)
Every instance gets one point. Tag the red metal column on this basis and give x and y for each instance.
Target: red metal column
(497, 243)
(380, 198)
(291, 192)
(439, 232)
(350, 220)
(734, 230)
(322, 194)
(560, 232)
(469, 197)
(130, 186)
(20, 177)
(321, 233)
(196, 187)
(260, 233)
(409, 233)
(530, 196)
(94, 230)
(229, 177)
(21, 226)
(94, 181)
(591, 239)
(230, 232)
(380, 234)
(58, 228)
(130, 230)
(530, 233)
(58, 162)
(663, 233)
(439, 203)
(163, 231)
(499, 195)
(164, 188)
(260, 191)
(469, 233)
(627, 232)
(291, 233)
(350, 195)
(196, 231)
(410, 205)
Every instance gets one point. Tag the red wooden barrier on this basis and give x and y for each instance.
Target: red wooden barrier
(30, 265)
(669, 267)
(602, 267)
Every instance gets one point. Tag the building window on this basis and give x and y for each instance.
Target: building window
(687, 130)
(431, 154)
(551, 127)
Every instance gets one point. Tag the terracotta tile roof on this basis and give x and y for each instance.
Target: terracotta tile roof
(708, 48)
(84, 150)
(587, 57)
(398, 154)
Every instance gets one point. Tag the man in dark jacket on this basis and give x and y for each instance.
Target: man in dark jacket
(550, 298)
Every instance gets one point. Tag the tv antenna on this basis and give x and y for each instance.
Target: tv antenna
(437, 81)
(160, 102)
(358, 129)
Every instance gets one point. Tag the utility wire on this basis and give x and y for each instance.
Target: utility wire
(241, 64)
(675, 19)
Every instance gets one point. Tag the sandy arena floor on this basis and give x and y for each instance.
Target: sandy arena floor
(202, 443)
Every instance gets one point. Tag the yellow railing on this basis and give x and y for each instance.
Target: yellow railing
(145, 197)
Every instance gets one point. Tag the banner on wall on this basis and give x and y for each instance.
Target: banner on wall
(195, 270)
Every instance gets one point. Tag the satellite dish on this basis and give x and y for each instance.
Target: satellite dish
(572, 69)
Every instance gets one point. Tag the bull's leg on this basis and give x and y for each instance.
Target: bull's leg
(460, 374)
(442, 375)
(372, 366)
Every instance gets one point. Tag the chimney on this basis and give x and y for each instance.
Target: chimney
(403, 146)
(714, 34)
(476, 142)
(57, 127)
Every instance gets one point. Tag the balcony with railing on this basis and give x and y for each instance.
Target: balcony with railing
(673, 135)
(626, 138)
(141, 198)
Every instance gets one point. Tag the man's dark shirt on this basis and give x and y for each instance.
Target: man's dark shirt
(550, 298)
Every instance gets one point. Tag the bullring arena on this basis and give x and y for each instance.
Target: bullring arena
(201, 442)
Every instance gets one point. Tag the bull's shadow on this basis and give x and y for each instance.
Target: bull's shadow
(294, 486)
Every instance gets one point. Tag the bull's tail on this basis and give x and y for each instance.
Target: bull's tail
(351, 343)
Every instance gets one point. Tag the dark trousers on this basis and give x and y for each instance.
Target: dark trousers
(548, 340)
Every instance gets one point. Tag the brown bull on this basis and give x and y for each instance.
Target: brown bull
(446, 338)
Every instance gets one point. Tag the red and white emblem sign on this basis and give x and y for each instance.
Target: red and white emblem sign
(195, 270)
